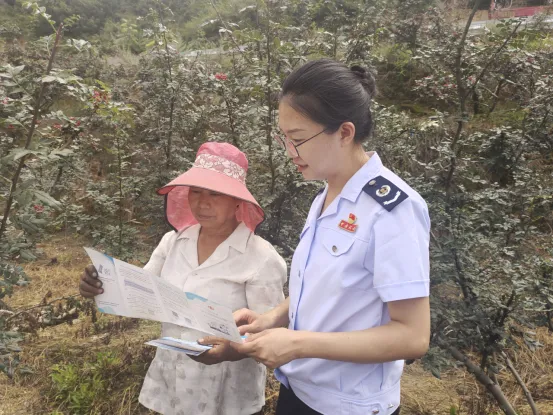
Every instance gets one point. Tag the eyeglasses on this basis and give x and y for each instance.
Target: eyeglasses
(292, 148)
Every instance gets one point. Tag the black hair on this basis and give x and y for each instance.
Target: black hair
(330, 93)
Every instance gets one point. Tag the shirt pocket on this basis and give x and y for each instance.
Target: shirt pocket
(336, 243)
(345, 260)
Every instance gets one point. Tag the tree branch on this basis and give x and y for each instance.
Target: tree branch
(26, 310)
(229, 32)
(521, 383)
(30, 134)
(484, 379)
(492, 59)
(462, 95)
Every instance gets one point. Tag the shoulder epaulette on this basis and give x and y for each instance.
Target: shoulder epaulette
(386, 194)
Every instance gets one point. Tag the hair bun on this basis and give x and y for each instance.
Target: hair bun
(359, 70)
(366, 78)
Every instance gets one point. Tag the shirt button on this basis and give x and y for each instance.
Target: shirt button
(334, 248)
(299, 274)
(292, 316)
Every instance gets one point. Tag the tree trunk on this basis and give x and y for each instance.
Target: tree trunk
(549, 315)
(475, 102)
(57, 179)
(120, 183)
(270, 109)
(230, 116)
(491, 373)
(496, 96)
(493, 388)
(461, 93)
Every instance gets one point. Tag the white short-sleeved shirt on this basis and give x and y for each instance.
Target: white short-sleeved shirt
(244, 271)
(342, 277)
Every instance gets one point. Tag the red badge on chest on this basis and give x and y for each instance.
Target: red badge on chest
(349, 225)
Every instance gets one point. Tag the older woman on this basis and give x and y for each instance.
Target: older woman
(213, 252)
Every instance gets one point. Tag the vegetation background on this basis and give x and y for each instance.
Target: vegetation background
(103, 101)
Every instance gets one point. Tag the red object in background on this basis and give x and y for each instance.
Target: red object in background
(498, 12)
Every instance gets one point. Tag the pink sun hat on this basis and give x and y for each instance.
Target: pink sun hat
(220, 167)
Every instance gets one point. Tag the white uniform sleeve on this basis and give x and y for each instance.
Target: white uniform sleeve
(157, 260)
(265, 289)
(398, 255)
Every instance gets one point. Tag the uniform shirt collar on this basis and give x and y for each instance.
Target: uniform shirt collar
(368, 171)
(351, 190)
(237, 240)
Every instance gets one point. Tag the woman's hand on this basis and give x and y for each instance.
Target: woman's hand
(251, 322)
(273, 347)
(90, 285)
(222, 351)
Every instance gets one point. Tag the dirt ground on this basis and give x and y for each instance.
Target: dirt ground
(422, 393)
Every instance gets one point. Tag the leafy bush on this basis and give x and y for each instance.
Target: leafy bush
(80, 388)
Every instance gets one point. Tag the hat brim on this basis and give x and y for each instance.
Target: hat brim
(177, 209)
(211, 180)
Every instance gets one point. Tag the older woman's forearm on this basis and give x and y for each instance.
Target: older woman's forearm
(393, 341)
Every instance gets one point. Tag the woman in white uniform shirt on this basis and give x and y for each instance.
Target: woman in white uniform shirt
(211, 252)
(359, 280)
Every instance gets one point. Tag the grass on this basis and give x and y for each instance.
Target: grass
(84, 345)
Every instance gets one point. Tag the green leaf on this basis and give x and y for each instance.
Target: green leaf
(12, 121)
(18, 69)
(28, 256)
(22, 152)
(24, 197)
(62, 153)
(49, 78)
(47, 199)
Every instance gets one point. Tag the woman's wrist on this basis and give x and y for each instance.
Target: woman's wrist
(271, 319)
(301, 344)
(236, 356)
(278, 316)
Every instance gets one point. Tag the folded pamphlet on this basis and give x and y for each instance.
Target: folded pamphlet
(131, 291)
(178, 345)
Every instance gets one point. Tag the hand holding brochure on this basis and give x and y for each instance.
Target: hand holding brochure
(181, 346)
(178, 345)
(131, 291)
